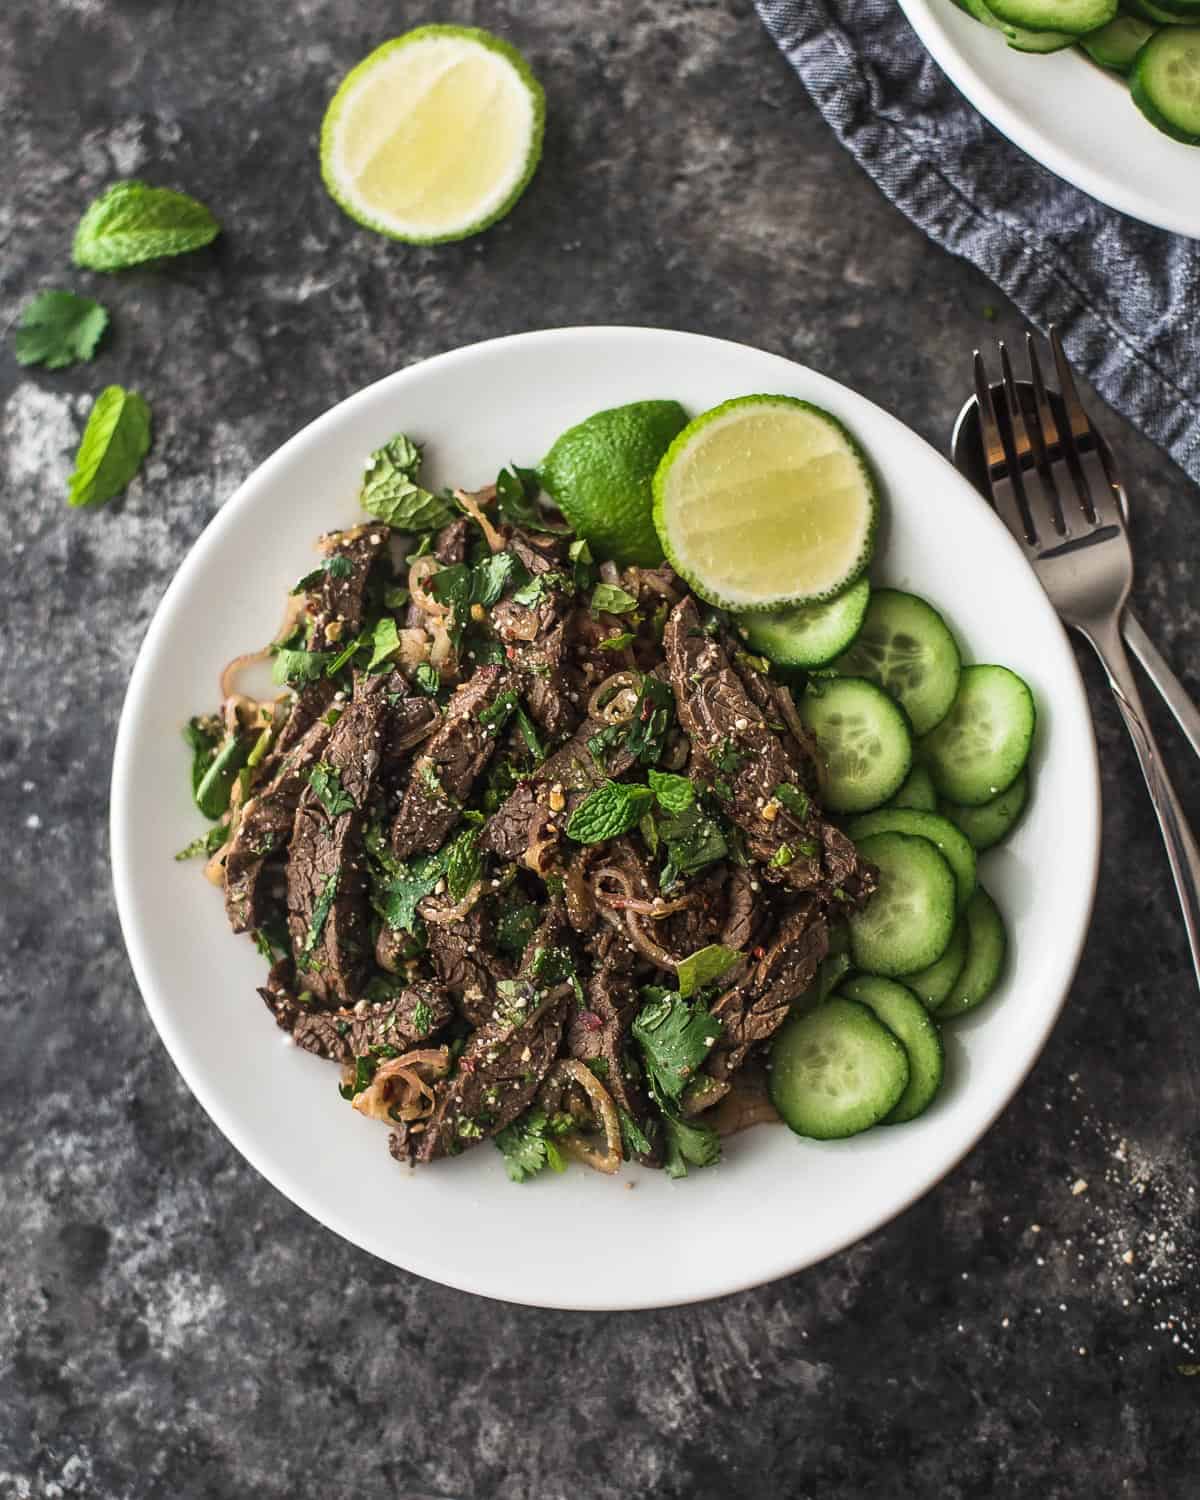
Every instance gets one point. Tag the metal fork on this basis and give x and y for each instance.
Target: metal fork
(1050, 488)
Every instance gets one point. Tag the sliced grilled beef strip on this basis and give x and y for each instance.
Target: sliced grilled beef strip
(450, 544)
(467, 964)
(415, 1015)
(446, 766)
(734, 744)
(337, 611)
(565, 778)
(279, 994)
(754, 1009)
(263, 832)
(326, 873)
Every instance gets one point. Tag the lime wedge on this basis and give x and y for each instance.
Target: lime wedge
(765, 501)
(434, 136)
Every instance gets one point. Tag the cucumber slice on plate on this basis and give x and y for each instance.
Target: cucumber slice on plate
(1017, 36)
(994, 820)
(807, 635)
(918, 791)
(952, 843)
(1117, 44)
(980, 747)
(1165, 82)
(905, 648)
(1074, 16)
(836, 1071)
(933, 985)
(909, 921)
(987, 944)
(908, 1020)
(864, 743)
(1158, 14)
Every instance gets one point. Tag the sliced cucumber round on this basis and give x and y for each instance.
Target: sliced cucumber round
(1165, 82)
(807, 635)
(905, 648)
(918, 791)
(953, 845)
(933, 985)
(908, 923)
(1074, 16)
(980, 747)
(992, 821)
(1116, 45)
(908, 1020)
(864, 742)
(987, 944)
(836, 1071)
(1017, 36)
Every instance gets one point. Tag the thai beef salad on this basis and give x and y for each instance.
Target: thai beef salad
(547, 847)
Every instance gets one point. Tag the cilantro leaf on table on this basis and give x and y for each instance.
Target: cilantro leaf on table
(703, 966)
(675, 1037)
(132, 222)
(527, 1145)
(114, 442)
(612, 809)
(391, 492)
(58, 329)
(326, 784)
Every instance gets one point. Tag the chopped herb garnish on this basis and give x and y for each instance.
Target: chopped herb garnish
(326, 784)
(337, 566)
(675, 1037)
(725, 757)
(617, 642)
(464, 864)
(633, 1137)
(796, 801)
(653, 714)
(216, 785)
(207, 844)
(612, 809)
(385, 643)
(319, 917)
(391, 492)
(530, 735)
(674, 794)
(516, 497)
(427, 678)
(608, 599)
(693, 840)
(516, 922)
(422, 1018)
(295, 668)
(782, 857)
(703, 966)
(528, 1147)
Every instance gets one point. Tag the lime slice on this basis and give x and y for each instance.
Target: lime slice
(434, 136)
(600, 474)
(765, 501)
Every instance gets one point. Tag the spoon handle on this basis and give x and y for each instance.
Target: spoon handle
(1172, 691)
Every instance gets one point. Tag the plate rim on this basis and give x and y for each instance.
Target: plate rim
(195, 1077)
(1124, 197)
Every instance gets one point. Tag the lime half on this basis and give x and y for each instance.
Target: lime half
(435, 135)
(765, 501)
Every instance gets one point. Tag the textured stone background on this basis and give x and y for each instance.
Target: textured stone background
(168, 1324)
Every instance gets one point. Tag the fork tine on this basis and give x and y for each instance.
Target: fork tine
(997, 456)
(1022, 447)
(1045, 437)
(1079, 445)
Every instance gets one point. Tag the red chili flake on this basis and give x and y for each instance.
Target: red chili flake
(590, 1021)
(760, 952)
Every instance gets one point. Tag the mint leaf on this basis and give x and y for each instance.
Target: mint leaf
(114, 442)
(703, 966)
(693, 840)
(675, 1037)
(59, 329)
(617, 642)
(385, 642)
(608, 599)
(611, 810)
(674, 794)
(295, 668)
(464, 864)
(391, 492)
(516, 497)
(133, 222)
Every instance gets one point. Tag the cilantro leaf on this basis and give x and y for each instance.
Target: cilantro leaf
(132, 222)
(207, 843)
(688, 1143)
(385, 642)
(326, 784)
(653, 714)
(114, 442)
(391, 492)
(608, 599)
(612, 809)
(321, 910)
(527, 1145)
(703, 966)
(427, 678)
(675, 1037)
(617, 642)
(633, 1137)
(396, 893)
(294, 668)
(693, 840)
(674, 794)
(58, 329)
(796, 801)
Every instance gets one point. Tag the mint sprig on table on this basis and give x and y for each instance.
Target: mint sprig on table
(133, 222)
(114, 442)
(58, 329)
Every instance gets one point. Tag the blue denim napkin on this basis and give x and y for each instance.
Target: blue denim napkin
(1125, 296)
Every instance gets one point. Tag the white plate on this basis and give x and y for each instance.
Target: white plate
(776, 1203)
(1075, 118)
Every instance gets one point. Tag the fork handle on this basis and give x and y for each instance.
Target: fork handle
(1182, 852)
(1172, 691)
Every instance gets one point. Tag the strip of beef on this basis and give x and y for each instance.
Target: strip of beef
(337, 610)
(552, 793)
(734, 743)
(535, 637)
(445, 770)
(279, 994)
(505, 1061)
(598, 1034)
(326, 873)
(466, 962)
(450, 544)
(264, 829)
(754, 1009)
(415, 1015)
(410, 721)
